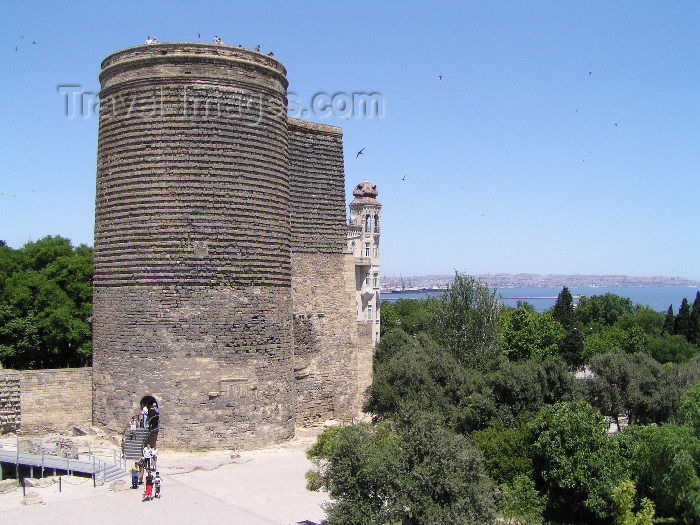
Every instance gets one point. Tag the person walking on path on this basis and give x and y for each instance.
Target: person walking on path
(147, 456)
(156, 483)
(135, 476)
(148, 493)
(154, 458)
(144, 415)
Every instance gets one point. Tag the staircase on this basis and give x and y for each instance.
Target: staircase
(132, 447)
(134, 443)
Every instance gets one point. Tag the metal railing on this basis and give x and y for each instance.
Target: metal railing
(57, 456)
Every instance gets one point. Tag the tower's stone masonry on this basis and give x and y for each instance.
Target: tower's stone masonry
(222, 286)
(325, 341)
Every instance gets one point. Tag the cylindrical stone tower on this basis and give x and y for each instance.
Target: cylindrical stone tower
(192, 282)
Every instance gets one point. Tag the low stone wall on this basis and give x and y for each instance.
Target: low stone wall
(37, 401)
(10, 414)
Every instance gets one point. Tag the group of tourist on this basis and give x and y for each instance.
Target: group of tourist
(147, 418)
(150, 416)
(217, 40)
(147, 465)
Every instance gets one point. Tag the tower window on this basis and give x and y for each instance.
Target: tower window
(369, 312)
(376, 223)
(366, 249)
(368, 223)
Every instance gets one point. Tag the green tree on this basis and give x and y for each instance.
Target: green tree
(634, 385)
(666, 465)
(411, 472)
(603, 341)
(671, 349)
(683, 323)
(506, 451)
(563, 310)
(46, 302)
(695, 320)
(689, 410)
(527, 333)
(645, 318)
(360, 468)
(410, 315)
(571, 348)
(427, 377)
(576, 465)
(599, 311)
(520, 502)
(668, 320)
(391, 343)
(526, 386)
(623, 497)
(609, 390)
(466, 322)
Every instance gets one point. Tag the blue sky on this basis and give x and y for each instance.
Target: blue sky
(563, 137)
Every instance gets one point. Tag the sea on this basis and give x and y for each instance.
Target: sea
(657, 297)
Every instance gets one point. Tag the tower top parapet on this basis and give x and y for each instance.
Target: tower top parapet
(365, 193)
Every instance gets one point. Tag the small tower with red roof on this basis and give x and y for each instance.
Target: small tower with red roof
(363, 242)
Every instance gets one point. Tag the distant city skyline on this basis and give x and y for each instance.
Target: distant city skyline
(529, 280)
(506, 137)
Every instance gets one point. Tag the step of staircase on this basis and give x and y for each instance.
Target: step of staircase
(133, 445)
(113, 472)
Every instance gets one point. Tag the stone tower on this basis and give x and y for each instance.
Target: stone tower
(204, 294)
(363, 242)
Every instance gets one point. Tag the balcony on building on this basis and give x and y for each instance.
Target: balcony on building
(363, 261)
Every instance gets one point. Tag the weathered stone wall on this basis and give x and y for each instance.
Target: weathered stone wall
(10, 411)
(326, 349)
(213, 359)
(56, 399)
(325, 342)
(192, 282)
(317, 188)
(365, 361)
(38, 401)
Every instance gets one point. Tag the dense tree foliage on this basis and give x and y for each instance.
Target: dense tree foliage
(45, 304)
(563, 310)
(466, 322)
(666, 465)
(623, 498)
(424, 376)
(412, 472)
(468, 396)
(409, 315)
(575, 463)
(602, 310)
(527, 333)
